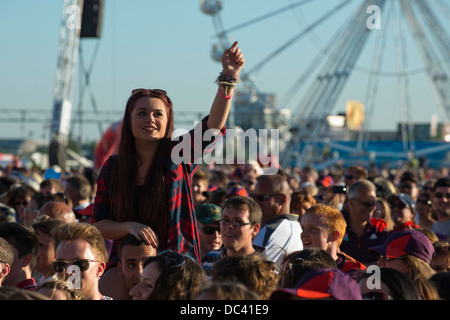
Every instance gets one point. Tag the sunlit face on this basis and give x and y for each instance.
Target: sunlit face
(235, 238)
(144, 288)
(400, 213)
(81, 249)
(149, 119)
(315, 232)
(46, 253)
(399, 264)
(130, 264)
(199, 186)
(210, 241)
(362, 206)
(441, 201)
(270, 205)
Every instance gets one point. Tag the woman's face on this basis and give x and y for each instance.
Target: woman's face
(145, 286)
(20, 203)
(400, 213)
(399, 264)
(423, 206)
(379, 212)
(149, 119)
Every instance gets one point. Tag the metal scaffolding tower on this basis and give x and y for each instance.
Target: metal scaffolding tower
(69, 38)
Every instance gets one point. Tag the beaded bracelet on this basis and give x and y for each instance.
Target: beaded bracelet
(224, 96)
(224, 80)
(225, 84)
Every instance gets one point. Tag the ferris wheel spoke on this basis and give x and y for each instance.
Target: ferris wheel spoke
(298, 36)
(264, 17)
(315, 63)
(438, 79)
(403, 85)
(439, 34)
(374, 79)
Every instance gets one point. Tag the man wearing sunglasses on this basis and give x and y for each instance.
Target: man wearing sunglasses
(280, 232)
(403, 210)
(208, 221)
(81, 258)
(362, 230)
(441, 200)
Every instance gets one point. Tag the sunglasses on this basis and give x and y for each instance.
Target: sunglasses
(151, 92)
(261, 198)
(376, 296)
(369, 204)
(440, 195)
(234, 224)
(61, 265)
(210, 230)
(172, 259)
(392, 259)
(428, 202)
(397, 205)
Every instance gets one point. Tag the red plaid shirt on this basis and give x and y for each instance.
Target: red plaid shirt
(183, 233)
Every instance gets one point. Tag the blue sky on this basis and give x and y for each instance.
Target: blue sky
(167, 44)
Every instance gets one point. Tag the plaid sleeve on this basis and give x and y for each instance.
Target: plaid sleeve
(183, 232)
(102, 207)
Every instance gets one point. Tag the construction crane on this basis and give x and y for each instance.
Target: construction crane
(80, 19)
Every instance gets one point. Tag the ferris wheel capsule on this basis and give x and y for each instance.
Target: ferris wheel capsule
(211, 6)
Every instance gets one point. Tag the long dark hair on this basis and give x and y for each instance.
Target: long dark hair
(151, 208)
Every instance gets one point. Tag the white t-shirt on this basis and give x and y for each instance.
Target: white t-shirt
(284, 239)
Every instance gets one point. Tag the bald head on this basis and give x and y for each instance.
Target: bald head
(277, 183)
(273, 194)
(58, 210)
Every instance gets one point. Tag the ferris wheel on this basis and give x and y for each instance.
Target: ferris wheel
(401, 44)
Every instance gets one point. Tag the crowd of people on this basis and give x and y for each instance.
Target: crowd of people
(290, 235)
(145, 227)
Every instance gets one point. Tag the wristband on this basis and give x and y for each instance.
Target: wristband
(224, 96)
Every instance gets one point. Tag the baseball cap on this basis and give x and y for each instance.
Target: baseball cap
(405, 242)
(406, 199)
(237, 191)
(322, 283)
(207, 213)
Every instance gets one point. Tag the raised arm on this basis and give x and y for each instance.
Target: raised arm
(232, 63)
